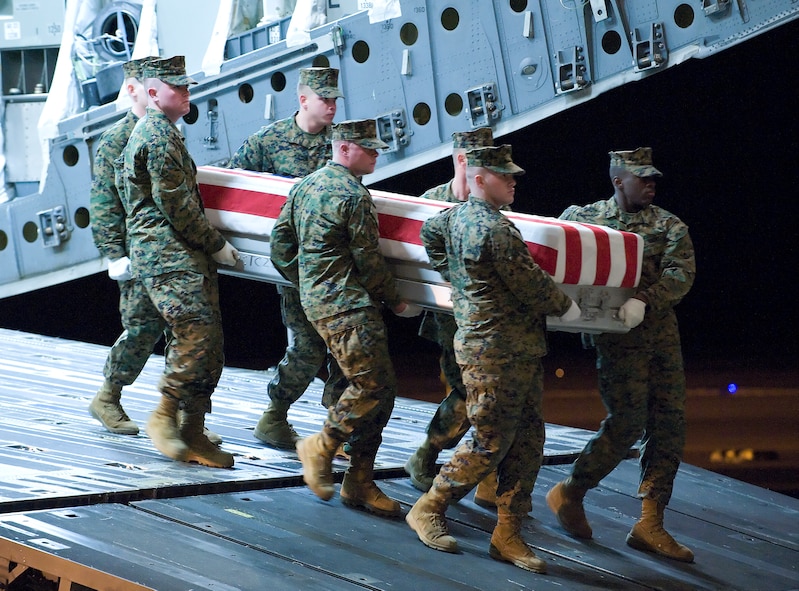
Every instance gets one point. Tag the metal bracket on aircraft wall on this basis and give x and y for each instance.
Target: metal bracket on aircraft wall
(392, 128)
(714, 7)
(572, 70)
(650, 50)
(600, 10)
(53, 226)
(484, 106)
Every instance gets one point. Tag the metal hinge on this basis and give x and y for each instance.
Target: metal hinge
(572, 70)
(53, 226)
(651, 51)
(712, 7)
(484, 107)
(392, 128)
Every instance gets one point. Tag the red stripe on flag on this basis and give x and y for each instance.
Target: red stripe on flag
(400, 229)
(630, 259)
(574, 255)
(545, 257)
(602, 256)
(242, 201)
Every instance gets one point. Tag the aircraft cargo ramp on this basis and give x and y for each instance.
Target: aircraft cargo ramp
(83, 509)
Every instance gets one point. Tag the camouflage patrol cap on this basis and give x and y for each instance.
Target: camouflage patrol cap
(494, 158)
(171, 70)
(323, 81)
(133, 68)
(638, 162)
(360, 131)
(468, 140)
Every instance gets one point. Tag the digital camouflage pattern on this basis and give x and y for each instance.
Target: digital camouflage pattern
(165, 215)
(441, 193)
(669, 264)
(323, 81)
(325, 241)
(189, 304)
(284, 148)
(504, 404)
(171, 70)
(171, 243)
(500, 295)
(306, 353)
(358, 131)
(476, 138)
(143, 326)
(450, 423)
(641, 374)
(357, 339)
(135, 68)
(500, 298)
(638, 162)
(106, 208)
(494, 158)
(141, 322)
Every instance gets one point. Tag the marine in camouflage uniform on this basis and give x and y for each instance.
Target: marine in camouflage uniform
(142, 324)
(641, 376)
(450, 423)
(174, 252)
(296, 147)
(325, 241)
(500, 300)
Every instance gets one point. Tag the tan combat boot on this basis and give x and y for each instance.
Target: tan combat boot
(427, 519)
(274, 429)
(648, 534)
(214, 438)
(566, 502)
(316, 454)
(486, 493)
(106, 408)
(162, 429)
(200, 448)
(358, 489)
(421, 466)
(507, 544)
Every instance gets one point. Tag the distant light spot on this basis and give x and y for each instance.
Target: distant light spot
(559, 373)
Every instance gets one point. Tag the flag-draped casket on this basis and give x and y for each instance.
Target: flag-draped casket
(598, 267)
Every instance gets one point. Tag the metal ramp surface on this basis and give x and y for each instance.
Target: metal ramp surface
(81, 508)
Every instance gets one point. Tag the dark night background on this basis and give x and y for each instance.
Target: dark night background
(724, 132)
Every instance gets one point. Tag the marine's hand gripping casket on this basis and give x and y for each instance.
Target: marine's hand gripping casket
(598, 267)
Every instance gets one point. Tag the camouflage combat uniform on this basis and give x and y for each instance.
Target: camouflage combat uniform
(142, 323)
(284, 148)
(641, 376)
(326, 242)
(500, 298)
(450, 423)
(171, 243)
